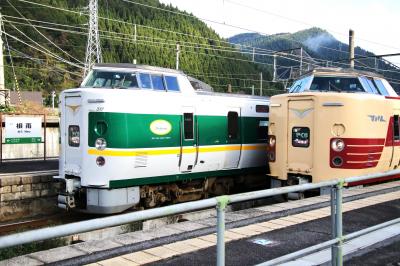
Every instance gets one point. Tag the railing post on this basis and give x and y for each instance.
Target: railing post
(221, 205)
(338, 223)
(333, 223)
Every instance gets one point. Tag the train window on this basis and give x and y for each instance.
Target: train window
(379, 84)
(109, 79)
(340, 84)
(233, 125)
(263, 130)
(301, 85)
(158, 83)
(145, 81)
(368, 85)
(188, 126)
(396, 128)
(172, 83)
(262, 108)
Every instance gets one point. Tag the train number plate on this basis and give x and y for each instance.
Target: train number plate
(301, 137)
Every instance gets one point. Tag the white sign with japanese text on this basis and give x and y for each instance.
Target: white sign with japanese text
(23, 129)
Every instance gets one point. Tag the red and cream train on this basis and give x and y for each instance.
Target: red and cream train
(333, 123)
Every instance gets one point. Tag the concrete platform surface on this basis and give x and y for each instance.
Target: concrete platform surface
(23, 166)
(253, 235)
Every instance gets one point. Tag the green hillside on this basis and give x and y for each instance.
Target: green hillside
(319, 44)
(158, 31)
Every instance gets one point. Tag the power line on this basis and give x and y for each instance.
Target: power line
(44, 36)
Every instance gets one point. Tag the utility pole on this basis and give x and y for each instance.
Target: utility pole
(261, 83)
(53, 96)
(252, 89)
(178, 51)
(351, 48)
(254, 50)
(93, 49)
(274, 70)
(2, 83)
(301, 60)
(135, 36)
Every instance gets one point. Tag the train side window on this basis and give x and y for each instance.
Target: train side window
(233, 125)
(263, 130)
(145, 81)
(381, 87)
(158, 83)
(172, 83)
(396, 128)
(188, 126)
(262, 108)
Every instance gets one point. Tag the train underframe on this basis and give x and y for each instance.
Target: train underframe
(109, 201)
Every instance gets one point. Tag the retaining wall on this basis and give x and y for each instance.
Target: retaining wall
(24, 196)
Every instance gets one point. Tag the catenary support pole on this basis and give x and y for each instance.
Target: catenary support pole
(351, 48)
(261, 83)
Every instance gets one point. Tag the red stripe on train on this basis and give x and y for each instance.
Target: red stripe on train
(361, 149)
(363, 141)
(363, 157)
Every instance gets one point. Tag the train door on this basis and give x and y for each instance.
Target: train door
(301, 132)
(395, 156)
(72, 145)
(189, 140)
(234, 141)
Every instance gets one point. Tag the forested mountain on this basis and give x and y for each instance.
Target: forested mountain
(39, 64)
(320, 45)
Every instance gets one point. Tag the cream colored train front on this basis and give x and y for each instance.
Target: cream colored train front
(333, 123)
(144, 135)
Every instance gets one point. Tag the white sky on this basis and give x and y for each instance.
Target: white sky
(375, 22)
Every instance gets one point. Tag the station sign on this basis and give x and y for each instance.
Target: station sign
(23, 130)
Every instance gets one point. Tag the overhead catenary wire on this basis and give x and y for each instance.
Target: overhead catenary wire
(41, 34)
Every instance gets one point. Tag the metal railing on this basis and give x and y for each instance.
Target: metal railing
(220, 202)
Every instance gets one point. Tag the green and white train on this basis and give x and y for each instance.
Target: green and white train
(136, 135)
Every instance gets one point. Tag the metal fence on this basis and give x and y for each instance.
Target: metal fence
(220, 202)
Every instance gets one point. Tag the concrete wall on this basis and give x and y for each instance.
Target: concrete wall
(24, 196)
(22, 151)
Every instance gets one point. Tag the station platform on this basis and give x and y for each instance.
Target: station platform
(12, 167)
(252, 235)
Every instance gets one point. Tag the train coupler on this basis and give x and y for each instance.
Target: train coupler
(66, 202)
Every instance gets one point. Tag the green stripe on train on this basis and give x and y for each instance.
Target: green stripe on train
(184, 177)
(126, 130)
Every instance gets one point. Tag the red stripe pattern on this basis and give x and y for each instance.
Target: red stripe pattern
(358, 153)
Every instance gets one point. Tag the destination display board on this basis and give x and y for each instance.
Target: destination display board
(23, 129)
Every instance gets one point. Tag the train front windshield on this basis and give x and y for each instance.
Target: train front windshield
(108, 79)
(340, 84)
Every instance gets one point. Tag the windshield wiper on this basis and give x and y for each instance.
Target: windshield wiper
(334, 87)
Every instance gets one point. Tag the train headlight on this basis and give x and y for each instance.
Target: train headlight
(100, 161)
(100, 144)
(272, 141)
(337, 145)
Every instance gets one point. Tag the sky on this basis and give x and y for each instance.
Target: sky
(375, 22)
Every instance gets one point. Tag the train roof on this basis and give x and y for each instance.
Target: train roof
(340, 72)
(135, 66)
